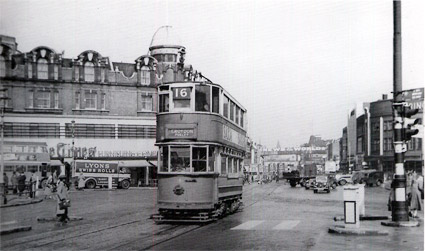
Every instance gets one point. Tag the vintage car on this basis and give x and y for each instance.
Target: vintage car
(343, 179)
(322, 184)
(375, 178)
(310, 183)
(360, 177)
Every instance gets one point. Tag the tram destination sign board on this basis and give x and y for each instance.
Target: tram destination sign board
(181, 131)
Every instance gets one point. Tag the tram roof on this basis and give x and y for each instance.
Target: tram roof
(209, 83)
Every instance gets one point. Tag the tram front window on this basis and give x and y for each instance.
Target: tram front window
(180, 159)
(199, 159)
(202, 98)
(163, 103)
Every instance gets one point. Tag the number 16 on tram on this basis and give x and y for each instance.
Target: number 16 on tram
(201, 135)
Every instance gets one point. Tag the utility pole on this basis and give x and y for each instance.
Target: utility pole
(3, 188)
(399, 207)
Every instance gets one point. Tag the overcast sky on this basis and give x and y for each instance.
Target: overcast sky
(296, 66)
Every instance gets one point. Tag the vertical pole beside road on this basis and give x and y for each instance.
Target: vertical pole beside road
(399, 205)
(3, 188)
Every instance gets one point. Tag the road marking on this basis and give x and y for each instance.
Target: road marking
(248, 225)
(286, 225)
(267, 225)
(8, 222)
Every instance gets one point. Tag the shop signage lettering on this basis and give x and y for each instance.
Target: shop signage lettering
(96, 167)
(181, 133)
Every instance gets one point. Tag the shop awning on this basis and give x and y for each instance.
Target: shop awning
(133, 163)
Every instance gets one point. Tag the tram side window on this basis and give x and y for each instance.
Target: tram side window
(202, 98)
(241, 118)
(199, 159)
(232, 111)
(164, 159)
(181, 97)
(211, 159)
(180, 159)
(226, 107)
(223, 164)
(237, 115)
(215, 99)
(164, 103)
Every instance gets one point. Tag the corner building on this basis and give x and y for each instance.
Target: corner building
(104, 110)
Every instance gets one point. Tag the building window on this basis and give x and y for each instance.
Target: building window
(147, 102)
(77, 100)
(89, 72)
(43, 99)
(30, 99)
(56, 97)
(42, 69)
(360, 145)
(202, 98)
(103, 101)
(385, 144)
(90, 98)
(2, 67)
(55, 72)
(136, 131)
(90, 131)
(146, 76)
(30, 70)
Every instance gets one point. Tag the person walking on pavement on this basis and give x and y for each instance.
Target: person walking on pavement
(6, 183)
(33, 181)
(14, 180)
(21, 183)
(415, 197)
(62, 197)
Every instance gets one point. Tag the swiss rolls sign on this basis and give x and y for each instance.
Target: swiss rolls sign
(96, 167)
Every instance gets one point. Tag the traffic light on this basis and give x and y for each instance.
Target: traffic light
(409, 123)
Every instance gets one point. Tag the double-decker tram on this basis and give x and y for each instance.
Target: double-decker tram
(201, 135)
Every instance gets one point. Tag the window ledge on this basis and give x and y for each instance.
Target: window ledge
(44, 110)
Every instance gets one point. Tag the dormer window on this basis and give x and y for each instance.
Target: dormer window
(89, 72)
(42, 69)
(146, 77)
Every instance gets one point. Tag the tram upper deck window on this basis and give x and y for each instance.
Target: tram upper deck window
(223, 164)
(164, 102)
(242, 113)
(226, 107)
(237, 115)
(202, 98)
(181, 97)
(199, 159)
(180, 159)
(215, 99)
(232, 111)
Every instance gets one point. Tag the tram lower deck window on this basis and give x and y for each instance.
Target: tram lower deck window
(180, 159)
(199, 159)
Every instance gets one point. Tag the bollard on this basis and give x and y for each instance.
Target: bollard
(351, 207)
(362, 211)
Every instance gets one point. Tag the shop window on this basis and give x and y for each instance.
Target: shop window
(42, 69)
(199, 159)
(180, 159)
(89, 72)
(202, 98)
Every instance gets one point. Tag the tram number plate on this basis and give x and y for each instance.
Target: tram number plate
(181, 93)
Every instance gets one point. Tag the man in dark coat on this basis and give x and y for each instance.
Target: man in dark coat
(21, 183)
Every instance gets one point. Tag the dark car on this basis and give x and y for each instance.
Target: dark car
(322, 184)
(374, 178)
(360, 177)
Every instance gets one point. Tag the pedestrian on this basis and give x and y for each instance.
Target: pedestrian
(32, 184)
(421, 185)
(81, 181)
(415, 197)
(14, 180)
(277, 177)
(48, 190)
(21, 183)
(62, 200)
(6, 183)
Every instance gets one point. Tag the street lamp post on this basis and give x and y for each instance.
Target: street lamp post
(3, 188)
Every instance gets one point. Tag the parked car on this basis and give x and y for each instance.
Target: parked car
(375, 178)
(343, 179)
(322, 184)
